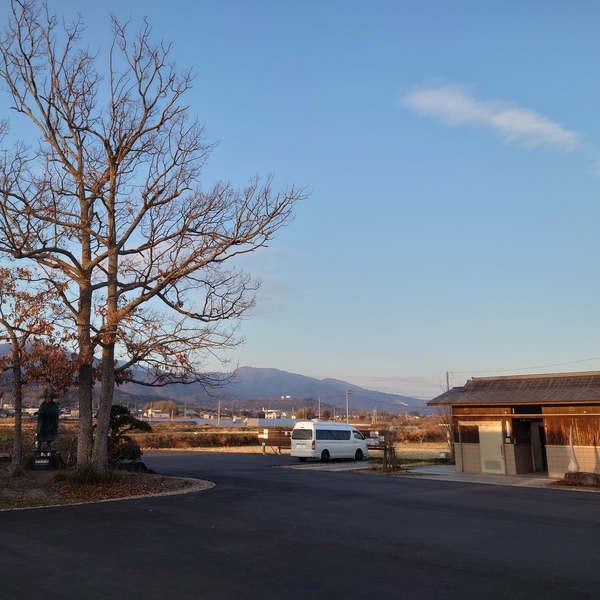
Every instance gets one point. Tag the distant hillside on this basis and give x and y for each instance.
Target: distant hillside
(254, 388)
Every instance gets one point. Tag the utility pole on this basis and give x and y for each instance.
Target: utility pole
(450, 424)
(219, 413)
(348, 392)
(319, 408)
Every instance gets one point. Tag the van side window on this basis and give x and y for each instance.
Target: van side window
(302, 434)
(358, 435)
(332, 434)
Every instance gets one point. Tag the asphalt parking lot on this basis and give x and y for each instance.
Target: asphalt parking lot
(269, 532)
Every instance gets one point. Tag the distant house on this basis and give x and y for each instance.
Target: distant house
(521, 424)
(271, 414)
(156, 414)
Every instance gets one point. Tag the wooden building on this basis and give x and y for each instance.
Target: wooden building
(521, 424)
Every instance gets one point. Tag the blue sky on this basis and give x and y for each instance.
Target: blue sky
(452, 154)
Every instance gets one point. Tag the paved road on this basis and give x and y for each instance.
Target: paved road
(267, 532)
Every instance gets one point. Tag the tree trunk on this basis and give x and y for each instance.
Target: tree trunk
(85, 437)
(15, 468)
(99, 457)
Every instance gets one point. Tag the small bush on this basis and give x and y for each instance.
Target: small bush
(124, 449)
(82, 477)
(6, 440)
(120, 445)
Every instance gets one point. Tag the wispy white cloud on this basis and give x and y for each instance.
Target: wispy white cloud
(455, 105)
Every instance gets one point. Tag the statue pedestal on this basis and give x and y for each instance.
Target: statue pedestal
(43, 462)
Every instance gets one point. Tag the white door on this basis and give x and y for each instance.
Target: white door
(492, 448)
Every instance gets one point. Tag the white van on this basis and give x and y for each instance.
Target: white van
(317, 439)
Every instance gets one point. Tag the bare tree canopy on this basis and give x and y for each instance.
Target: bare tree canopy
(111, 199)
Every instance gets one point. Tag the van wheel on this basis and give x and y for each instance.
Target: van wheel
(358, 455)
(325, 456)
(302, 458)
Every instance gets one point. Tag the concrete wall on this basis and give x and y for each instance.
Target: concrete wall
(509, 458)
(519, 461)
(559, 457)
(518, 458)
(468, 458)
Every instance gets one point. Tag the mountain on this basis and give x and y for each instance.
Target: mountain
(254, 388)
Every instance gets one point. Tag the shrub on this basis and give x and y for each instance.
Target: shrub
(81, 477)
(6, 440)
(120, 445)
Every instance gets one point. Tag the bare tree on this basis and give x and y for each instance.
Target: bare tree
(445, 422)
(112, 199)
(390, 460)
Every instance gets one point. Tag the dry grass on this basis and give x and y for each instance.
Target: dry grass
(229, 449)
(407, 451)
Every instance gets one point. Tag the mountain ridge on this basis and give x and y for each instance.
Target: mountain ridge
(279, 387)
(252, 388)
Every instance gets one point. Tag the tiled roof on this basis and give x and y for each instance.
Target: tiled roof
(525, 389)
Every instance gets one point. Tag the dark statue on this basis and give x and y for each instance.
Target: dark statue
(47, 422)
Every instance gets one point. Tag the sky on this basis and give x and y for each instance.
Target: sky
(451, 152)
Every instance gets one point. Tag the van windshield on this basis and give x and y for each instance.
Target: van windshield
(302, 434)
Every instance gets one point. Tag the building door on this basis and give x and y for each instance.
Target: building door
(538, 446)
(491, 445)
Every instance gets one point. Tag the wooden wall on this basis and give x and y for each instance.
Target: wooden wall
(469, 434)
(586, 430)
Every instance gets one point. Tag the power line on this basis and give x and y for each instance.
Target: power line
(369, 399)
(574, 362)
